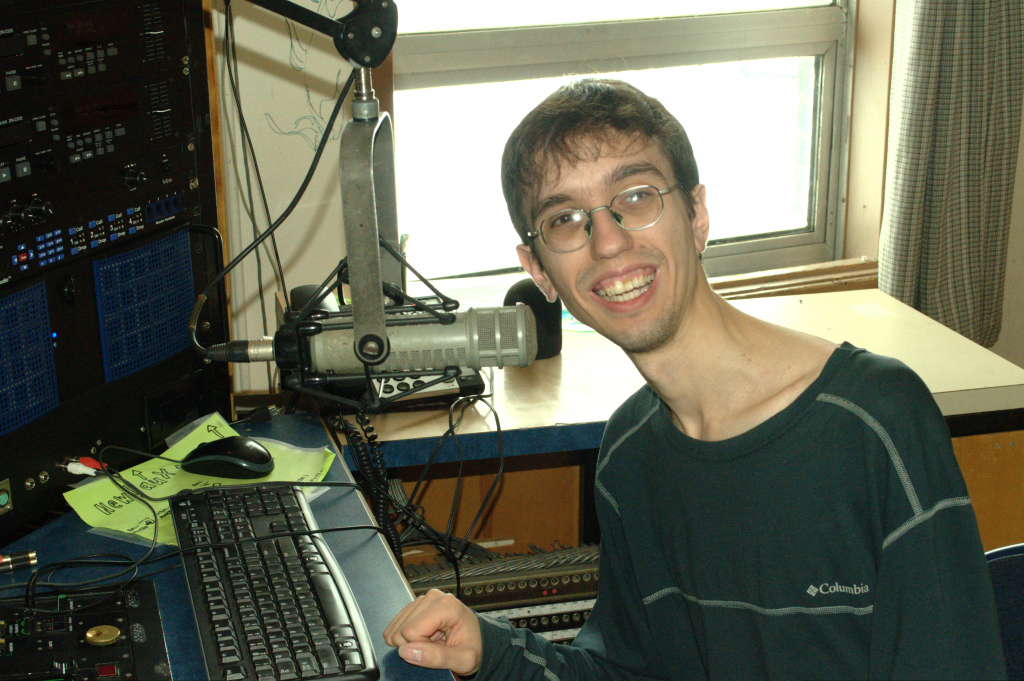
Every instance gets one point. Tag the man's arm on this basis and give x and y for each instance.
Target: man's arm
(439, 632)
(934, 611)
(615, 644)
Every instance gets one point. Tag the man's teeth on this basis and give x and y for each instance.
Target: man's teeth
(626, 289)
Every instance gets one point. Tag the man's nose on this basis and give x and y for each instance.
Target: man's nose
(607, 238)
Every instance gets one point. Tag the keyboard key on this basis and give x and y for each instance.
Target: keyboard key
(330, 599)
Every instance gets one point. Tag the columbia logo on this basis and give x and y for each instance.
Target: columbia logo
(855, 590)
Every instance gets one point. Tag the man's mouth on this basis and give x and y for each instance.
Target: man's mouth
(626, 288)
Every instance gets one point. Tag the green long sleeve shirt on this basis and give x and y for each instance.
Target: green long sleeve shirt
(834, 541)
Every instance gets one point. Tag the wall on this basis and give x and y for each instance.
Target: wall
(289, 78)
(869, 115)
(1011, 340)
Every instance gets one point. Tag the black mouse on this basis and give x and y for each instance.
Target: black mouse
(231, 457)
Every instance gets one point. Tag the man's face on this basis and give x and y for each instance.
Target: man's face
(631, 287)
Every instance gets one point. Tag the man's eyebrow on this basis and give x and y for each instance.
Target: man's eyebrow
(641, 168)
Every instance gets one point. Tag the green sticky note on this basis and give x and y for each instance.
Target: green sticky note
(102, 504)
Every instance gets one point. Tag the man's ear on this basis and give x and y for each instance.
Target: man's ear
(701, 221)
(528, 259)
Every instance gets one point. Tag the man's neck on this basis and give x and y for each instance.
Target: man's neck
(725, 372)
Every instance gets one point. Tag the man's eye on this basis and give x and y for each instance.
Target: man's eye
(635, 197)
(563, 221)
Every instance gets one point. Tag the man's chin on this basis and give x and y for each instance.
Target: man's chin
(640, 341)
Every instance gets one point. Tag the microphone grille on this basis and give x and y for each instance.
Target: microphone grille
(510, 330)
(516, 328)
(485, 327)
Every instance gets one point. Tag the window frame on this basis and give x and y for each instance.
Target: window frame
(826, 33)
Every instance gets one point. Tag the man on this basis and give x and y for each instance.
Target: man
(772, 505)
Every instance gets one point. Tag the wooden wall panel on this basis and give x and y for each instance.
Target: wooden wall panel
(993, 468)
(536, 503)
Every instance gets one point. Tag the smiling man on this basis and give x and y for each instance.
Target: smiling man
(772, 505)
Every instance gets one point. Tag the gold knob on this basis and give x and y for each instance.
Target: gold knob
(103, 635)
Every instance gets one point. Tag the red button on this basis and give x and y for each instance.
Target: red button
(103, 670)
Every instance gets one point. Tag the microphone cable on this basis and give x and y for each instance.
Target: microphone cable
(231, 66)
(193, 320)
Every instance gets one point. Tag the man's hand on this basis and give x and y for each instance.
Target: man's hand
(439, 632)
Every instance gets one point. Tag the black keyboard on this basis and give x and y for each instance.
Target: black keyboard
(268, 606)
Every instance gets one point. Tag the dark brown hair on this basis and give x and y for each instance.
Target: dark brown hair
(570, 125)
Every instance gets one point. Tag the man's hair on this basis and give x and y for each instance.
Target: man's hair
(570, 126)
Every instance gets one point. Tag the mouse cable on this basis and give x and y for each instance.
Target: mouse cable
(130, 566)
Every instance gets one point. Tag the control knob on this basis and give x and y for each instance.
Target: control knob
(14, 218)
(38, 210)
(133, 177)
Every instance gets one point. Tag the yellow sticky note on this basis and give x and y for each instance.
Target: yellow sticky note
(102, 504)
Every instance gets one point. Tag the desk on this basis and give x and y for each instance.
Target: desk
(561, 404)
(378, 584)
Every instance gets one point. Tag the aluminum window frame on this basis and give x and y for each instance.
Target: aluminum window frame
(825, 33)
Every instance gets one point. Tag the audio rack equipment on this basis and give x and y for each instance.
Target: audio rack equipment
(548, 592)
(108, 211)
(121, 640)
(97, 141)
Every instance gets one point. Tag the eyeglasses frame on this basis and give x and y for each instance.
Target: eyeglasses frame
(532, 235)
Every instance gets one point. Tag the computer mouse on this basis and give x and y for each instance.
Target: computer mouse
(230, 457)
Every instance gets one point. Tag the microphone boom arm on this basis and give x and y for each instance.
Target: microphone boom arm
(364, 36)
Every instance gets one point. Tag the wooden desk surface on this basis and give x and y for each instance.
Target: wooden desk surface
(585, 383)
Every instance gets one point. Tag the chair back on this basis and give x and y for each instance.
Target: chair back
(1006, 565)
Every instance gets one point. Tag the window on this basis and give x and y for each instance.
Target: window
(761, 90)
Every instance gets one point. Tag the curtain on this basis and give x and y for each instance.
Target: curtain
(954, 125)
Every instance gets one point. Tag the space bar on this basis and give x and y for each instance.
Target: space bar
(334, 608)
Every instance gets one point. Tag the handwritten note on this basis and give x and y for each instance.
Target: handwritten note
(102, 504)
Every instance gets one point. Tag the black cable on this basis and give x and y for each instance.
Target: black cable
(497, 477)
(436, 538)
(270, 230)
(231, 65)
(130, 565)
(365, 449)
(231, 59)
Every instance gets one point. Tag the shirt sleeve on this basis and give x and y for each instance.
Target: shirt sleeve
(934, 612)
(615, 643)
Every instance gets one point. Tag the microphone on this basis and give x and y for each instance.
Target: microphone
(478, 338)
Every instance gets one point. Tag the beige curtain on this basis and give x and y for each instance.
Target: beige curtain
(954, 126)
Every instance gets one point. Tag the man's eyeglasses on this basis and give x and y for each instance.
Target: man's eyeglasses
(632, 209)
